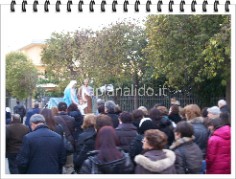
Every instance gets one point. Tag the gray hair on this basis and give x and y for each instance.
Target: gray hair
(100, 102)
(222, 102)
(37, 118)
(110, 106)
(16, 118)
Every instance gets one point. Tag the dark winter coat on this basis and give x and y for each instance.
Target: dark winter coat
(8, 117)
(126, 132)
(78, 122)
(93, 165)
(165, 126)
(80, 140)
(20, 109)
(219, 151)
(136, 146)
(188, 156)
(68, 124)
(200, 133)
(156, 162)
(42, 152)
(175, 117)
(114, 118)
(225, 109)
(89, 145)
(14, 136)
(30, 113)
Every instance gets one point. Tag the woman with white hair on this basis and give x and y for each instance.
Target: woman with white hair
(70, 93)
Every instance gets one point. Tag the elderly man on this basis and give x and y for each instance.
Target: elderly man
(42, 150)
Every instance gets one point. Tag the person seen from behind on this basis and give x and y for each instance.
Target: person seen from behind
(188, 154)
(107, 158)
(218, 158)
(42, 150)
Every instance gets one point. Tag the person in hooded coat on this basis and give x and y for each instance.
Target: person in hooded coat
(218, 158)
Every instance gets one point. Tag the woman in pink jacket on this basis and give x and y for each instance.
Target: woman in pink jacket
(218, 157)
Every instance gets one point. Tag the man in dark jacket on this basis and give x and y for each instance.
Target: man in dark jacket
(15, 132)
(20, 109)
(42, 150)
(30, 113)
(68, 124)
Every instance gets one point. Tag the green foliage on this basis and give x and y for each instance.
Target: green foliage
(21, 75)
(116, 53)
(111, 55)
(189, 49)
(62, 54)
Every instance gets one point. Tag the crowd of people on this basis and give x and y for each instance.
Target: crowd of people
(178, 140)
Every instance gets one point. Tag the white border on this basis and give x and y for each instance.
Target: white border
(119, 12)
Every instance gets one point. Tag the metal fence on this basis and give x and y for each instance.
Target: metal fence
(127, 102)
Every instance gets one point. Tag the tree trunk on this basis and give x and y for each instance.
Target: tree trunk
(135, 90)
(228, 93)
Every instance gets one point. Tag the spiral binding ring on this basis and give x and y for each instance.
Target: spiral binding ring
(114, 3)
(103, 6)
(159, 5)
(80, 6)
(69, 3)
(227, 3)
(181, 7)
(125, 6)
(148, 6)
(193, 6)
(216, 3)
(91, 4)
(170, 5)
(204, 9)
(23, 6)
(47, 2)
(58, 3)
(13, 3)
(35, 9)
(137, 2)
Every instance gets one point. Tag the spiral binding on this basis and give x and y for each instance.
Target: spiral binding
(115, 3)
(181, 6)
(204, 9)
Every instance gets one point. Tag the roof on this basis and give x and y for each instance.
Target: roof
(34, 43)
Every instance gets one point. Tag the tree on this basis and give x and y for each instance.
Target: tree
(21, 75)
(115, 54)
(181, 48)
(110, 55)
(62, 55)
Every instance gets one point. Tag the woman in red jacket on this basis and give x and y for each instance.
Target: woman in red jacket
(218, 157)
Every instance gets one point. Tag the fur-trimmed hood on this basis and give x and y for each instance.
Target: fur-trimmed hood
(156, 166)
(181, 141)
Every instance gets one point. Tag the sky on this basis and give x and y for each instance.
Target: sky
(20, 29)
